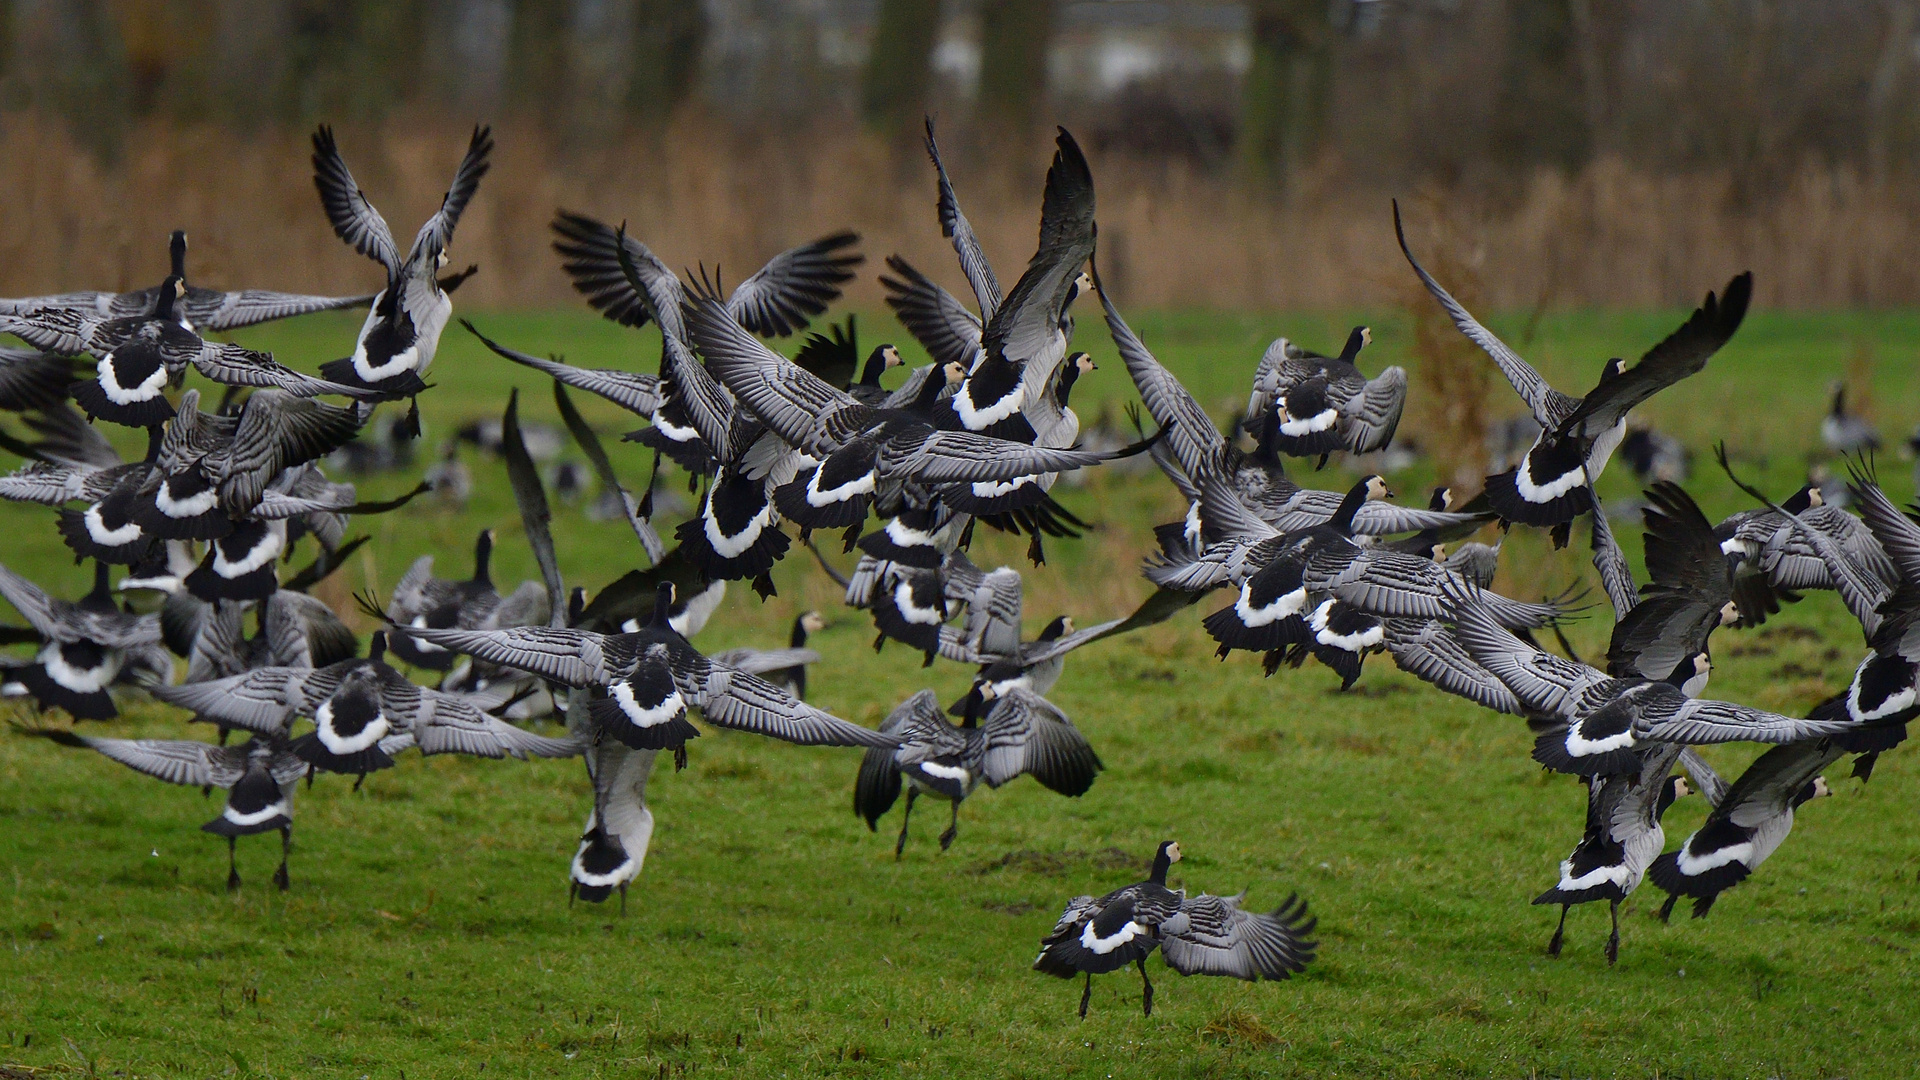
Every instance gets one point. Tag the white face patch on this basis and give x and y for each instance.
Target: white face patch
(641, 716)
(80, 680)
(1693, 865)
(859, 485)
(729, 547)
(189, 507)
(1101, 946)
(98, 532)
(913, 613)
(1282, 606)
(1746, 549)
(976, 418)
(342, 745)
(147, 389)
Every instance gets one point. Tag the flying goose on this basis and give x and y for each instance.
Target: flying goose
(781, 298)
(835, 357)
(1305, 405)
(363, 712)
(651, 677)
(1749, 822)
(402, 331)
(258, 776)
(420, 599)
(613, 845)
(33, 378)
(1201, 935)
(138, 357)
(1020, 733)
(1593, 724)
(1690, 595)
(1551, 484)
(1196, 446)
(199, 309)
(1623, 837)
(1775, 563)
(87, 646)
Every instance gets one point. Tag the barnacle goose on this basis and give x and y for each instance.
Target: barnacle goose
(1552, 483)
(88, 645)
(1305, 405)
(651, 677)
(1844, 432)
(1200, 935)
(199, 309)
(785, 668)
(1623, 836)
(138, 357)
(420, 599)
(258, 776)
(1020, 733)
(363, 712)
(613, 845)
(1750, 820)
(402, 331)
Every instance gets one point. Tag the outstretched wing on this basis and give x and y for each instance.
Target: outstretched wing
(437, 233)
(1213, 936)
(795, 285)
(1026, 733)
(354, 219)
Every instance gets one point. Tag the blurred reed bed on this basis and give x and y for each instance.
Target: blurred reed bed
(700, 190)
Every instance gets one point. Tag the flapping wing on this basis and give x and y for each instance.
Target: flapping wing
(790, 399)
(233, 365)
(962, 456)
(1026, 733)
(574, 657)
(1541, 681)
(1215, 937)
(437, 233)
(63, 331)
(589, 441)
(250, 307)
(1533, 389)
(954, 226)
(176, 761)
(1898, 535)
(354, 219)
(1701, 722)
(278, 430)
(590, 254)
(33, 604)
(731, 698)
(935, 317)
(1683, 353)
(1374, 414)
(1194, 440)
(264, 700)
(795, 285)
(450, 725)
(1616, 577)
(631, 390)
(1426, 650)
(1027, 326)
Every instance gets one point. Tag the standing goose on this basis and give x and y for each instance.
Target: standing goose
(1749, 822)
(650, 678)
(420, 599)
(1021, 733)
(199, 309)
(1201, 935)
(402, 332)
(1550, 486)
(1844, 432)
(1623, 837)
(258, 776)
(363, 712)
(1304, 404)
(88, 644)
(141, 355)
(785, 668)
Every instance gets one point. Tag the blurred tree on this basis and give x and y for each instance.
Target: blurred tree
(894, 90)
(667, 41)
(69, 59)
(1543, 111)
(1896, 54)
(465, 47)
(1283, 98)
(350, 59)
(538, 58)
(1014, 38)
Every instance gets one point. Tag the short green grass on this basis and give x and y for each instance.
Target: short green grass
(428, 933)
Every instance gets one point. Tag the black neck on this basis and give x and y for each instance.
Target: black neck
(1355, 340)
(876, 367)
(1064, 389)
(163, 306)
(483, 559)
(377, 648)
(177, 252)
(102, 585)
(663, 606)
(1342, 518)
(1161, 864)
(799, 635)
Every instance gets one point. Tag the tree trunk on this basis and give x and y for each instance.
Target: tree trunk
(894, 92)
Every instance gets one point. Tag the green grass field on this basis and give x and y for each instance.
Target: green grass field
(428, 933)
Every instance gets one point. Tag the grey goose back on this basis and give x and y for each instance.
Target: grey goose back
(199, 309)
(397, 342)
(138, 357)
(1551, 484)
(1004, 737)
(648, 679)
(1198, 935)
(259, 777)
(1846, 432)
(1305, 404)
(421, 600)
(363, 713)
(87, 646)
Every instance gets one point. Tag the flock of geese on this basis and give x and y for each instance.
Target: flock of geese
(207, 522)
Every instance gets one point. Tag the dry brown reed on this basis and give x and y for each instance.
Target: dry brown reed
(702, 190)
